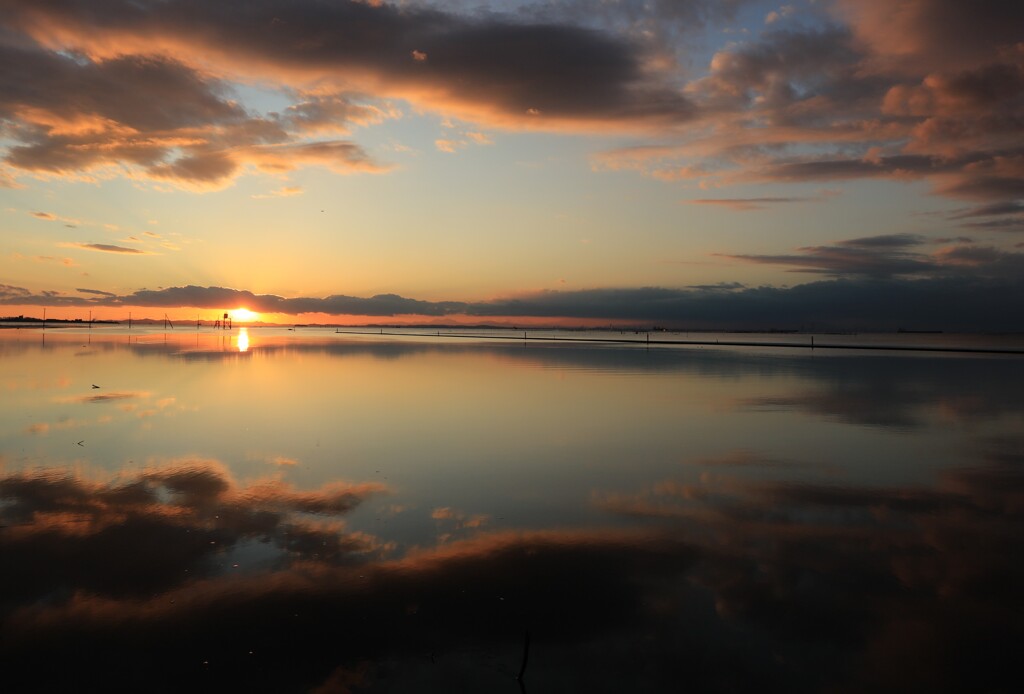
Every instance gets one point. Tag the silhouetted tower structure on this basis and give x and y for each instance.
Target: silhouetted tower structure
(224, 323)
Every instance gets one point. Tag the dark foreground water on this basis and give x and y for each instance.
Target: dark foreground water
(286, 511)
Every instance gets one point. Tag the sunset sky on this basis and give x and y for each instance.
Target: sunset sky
(689, 163)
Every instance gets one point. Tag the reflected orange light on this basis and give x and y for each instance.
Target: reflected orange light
(243, 339)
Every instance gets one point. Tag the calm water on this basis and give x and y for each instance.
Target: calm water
(273, 510)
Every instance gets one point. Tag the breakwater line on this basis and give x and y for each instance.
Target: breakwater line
(811, 344)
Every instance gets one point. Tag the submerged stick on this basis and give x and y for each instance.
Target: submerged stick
(526, 656)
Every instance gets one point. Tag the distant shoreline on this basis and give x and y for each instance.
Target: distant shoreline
(19, 322)
(781, 339)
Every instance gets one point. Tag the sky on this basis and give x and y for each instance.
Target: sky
(848, 164)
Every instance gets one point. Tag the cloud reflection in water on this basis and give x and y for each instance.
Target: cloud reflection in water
(731, 584)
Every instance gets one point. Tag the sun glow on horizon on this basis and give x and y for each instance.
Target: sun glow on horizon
(244, 315)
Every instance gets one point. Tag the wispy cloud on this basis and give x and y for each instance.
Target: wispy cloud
(749, 204)
(285, 192)
(779, 14)
(449, 146)
(460, 138)
(106, 248)
(51, 217)
(68, 262)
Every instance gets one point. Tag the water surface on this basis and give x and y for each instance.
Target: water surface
(292, 510)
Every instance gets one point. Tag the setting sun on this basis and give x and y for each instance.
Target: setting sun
(244, 315)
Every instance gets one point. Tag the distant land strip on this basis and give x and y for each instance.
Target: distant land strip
(699, 343)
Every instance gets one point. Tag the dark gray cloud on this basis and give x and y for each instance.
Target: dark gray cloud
(488, 63)
(331, 113)
(143, 88)
(977, 175)
(895, 255)
(1005, 224)
(955, 303)
(790, 77)
(959, 288)
(998, 185)
(220, 297)
(143, 93)
(718, 287)
(930, 34)
(991, 94)
(68, 113)
(668, 29)
(992, 261)
(204, 167)
(71, 114)
(885, 241)
(683, 15)
(819, 169)
(994, 209)
(874, 256)
(9, 291)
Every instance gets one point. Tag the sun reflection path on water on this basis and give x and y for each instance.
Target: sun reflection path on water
(243, 339)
